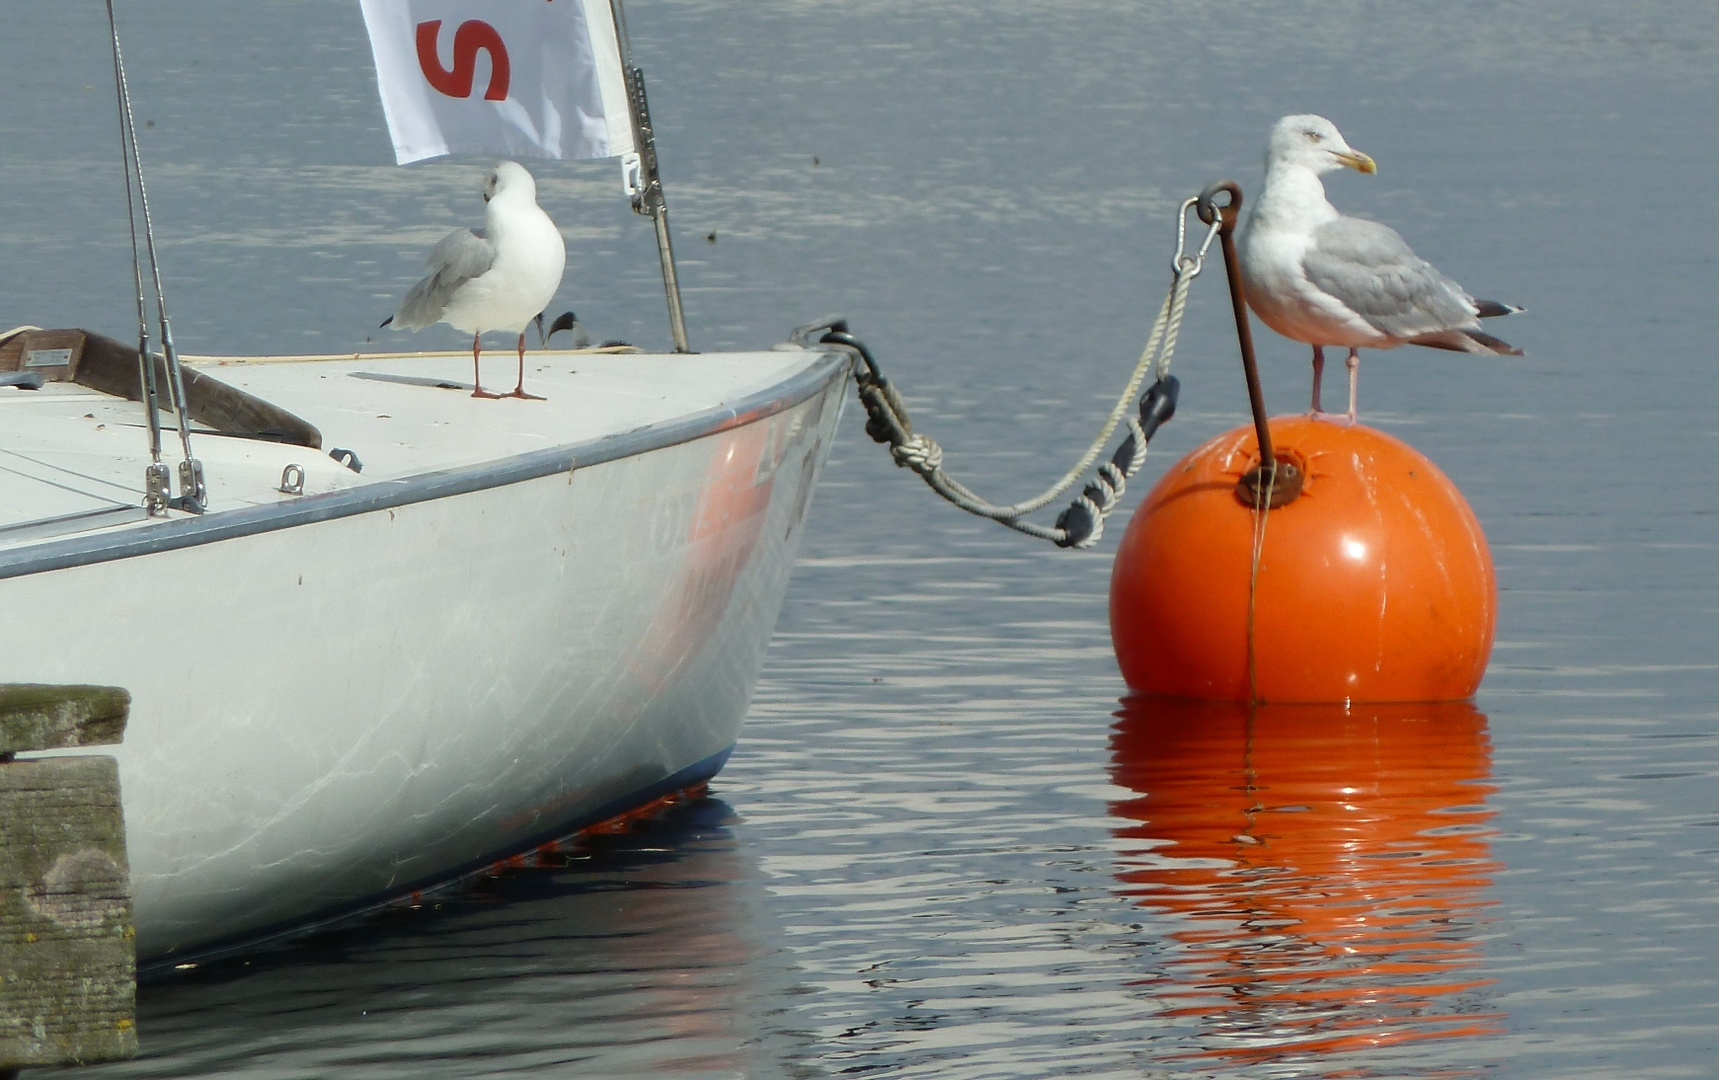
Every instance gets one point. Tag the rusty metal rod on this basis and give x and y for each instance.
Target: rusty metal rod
(1209, 211)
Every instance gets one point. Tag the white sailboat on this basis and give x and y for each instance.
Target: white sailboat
(387, 633)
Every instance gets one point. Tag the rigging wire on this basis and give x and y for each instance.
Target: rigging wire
(193, 491)
(157, 487)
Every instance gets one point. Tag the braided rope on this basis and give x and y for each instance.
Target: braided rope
(922, 454)
(1082, 524)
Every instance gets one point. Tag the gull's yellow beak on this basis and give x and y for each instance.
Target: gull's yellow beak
(1358, 161)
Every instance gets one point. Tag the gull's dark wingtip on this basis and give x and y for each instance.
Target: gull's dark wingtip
(385, 322)
(1492, 344)
(1492, 309)
(570, 322)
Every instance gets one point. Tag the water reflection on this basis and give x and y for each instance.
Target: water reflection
(639, 952)
(1325, 870)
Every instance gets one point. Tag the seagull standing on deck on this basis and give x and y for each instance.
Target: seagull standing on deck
(1318, 277)
(499, 277)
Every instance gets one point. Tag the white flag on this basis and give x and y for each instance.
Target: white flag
(520, 78)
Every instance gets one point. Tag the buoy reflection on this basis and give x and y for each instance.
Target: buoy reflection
(1327, 868)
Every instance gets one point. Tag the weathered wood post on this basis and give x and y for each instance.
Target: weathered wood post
(68, 965)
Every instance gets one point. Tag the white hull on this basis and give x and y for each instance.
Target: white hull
(343, 697)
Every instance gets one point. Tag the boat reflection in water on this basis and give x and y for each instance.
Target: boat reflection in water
(640, 951)
(1326, 867)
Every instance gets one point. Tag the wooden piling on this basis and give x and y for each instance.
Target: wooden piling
(68, 965)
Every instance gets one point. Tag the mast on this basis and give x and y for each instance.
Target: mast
(644, 182)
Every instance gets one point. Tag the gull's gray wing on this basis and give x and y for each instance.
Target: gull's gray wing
(457, 258)
(1371, 271)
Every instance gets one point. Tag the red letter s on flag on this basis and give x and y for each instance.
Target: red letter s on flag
(471, 38)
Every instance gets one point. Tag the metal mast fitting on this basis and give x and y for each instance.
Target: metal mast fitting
(644, 181)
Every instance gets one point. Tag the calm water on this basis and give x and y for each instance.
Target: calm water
(939, 849)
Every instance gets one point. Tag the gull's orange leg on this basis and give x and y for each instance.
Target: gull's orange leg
(1354, 365)
(1318, 376)
(477, 383)
(519, 390)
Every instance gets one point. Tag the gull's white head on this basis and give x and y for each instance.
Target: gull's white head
(1312, 142)
(510, 178)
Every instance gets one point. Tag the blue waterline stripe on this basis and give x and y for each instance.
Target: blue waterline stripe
(462, 480)
(159, 966)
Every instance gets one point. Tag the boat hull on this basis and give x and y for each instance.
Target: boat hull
(354, 698)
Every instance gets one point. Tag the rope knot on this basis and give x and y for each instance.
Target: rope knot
(919, 453)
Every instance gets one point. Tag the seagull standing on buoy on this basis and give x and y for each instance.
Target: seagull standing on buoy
(1319, 277)
(498, 278)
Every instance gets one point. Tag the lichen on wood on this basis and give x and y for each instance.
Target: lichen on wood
(35, 716)
(68, 963)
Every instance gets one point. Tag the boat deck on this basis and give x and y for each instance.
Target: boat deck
(72, 458)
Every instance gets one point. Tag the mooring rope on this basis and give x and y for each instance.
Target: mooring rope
(1082, 523)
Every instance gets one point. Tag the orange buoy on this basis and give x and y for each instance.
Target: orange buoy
(1374, 584)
